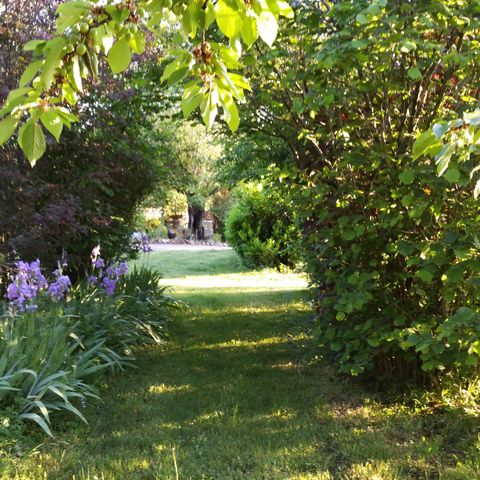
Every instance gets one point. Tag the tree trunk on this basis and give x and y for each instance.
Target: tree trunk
(195, 217)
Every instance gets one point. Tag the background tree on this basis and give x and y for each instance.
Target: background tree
(20, 21)
(187, 157)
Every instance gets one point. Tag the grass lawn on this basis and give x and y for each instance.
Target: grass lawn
(241, 393)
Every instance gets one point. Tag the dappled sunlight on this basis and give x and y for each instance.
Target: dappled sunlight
(209, 417)
(239, 392)
(286, 366)
(255, 309)
(242, 281)
(164, 388)
(256, 344)
(283, 414)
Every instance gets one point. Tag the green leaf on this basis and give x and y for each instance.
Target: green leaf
(103, 37)
(69, 14)
(68, 406)
(17, 93)
(32, 141)
(414, 73)
(443, 158)
(425, 275)
(230, 111)
(336, 346)
(330, 333)
(67, 117)
(229, 20)
(33, 45)
(405, 248)
(39, 420)
(209, 108)
(407, 176)
(440, 129)
(69, 94)
(118, 15)
(360, 44)
(119, 56)
(249, 30)
(178, 63)
(137, 43)
(280, 7)
(76, 75)
(30, 72)
(454, 274)
(7, 127)
(54, 50)
(348, 235)
(239, 81)
(471, 361)
(362, 19)
(193, 18)
(52, 122)
(178, 75)
(432, 365)
(452, 175)
(422, 143)
(267, 27)
(476, 191)
(408, 46)
(192, 98)
(373, 9)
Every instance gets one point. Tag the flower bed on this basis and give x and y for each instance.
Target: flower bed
(56, 337)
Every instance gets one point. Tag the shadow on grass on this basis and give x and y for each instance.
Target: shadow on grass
(242, 396)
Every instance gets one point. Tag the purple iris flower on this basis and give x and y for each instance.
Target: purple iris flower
(122, 269)
(99, 263)
(25, 285)
(109, 284)
(59, 288)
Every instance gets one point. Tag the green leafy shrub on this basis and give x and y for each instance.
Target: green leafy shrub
(50, 357)
(137, 314)
(391, 248)
(44, 365)
(219, 204)
(86, 193)
(158, 233)
(261, 230)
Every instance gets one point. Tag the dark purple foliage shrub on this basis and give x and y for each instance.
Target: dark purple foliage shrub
(84, 192)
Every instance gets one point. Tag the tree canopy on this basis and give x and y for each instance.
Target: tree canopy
(88, 32)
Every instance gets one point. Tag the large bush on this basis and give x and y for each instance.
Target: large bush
(261, 229)
(83, 193)
(391, 247)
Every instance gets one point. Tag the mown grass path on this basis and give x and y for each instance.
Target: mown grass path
(238, 393)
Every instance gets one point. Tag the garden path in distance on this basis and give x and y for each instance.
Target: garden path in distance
(241, 392)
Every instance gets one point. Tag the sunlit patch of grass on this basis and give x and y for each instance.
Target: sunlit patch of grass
(241, 281)
(163, 388)
(238, 343)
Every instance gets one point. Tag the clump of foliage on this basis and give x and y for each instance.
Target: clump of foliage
(219, 204)
(86, 192)
(56, 338)
(391, 247)
(87, 33)
(260, 227)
